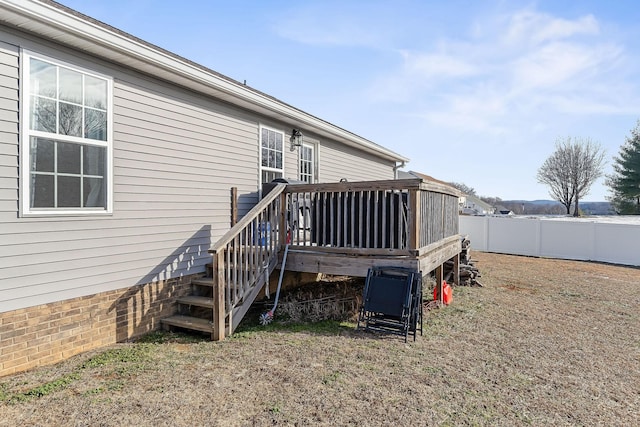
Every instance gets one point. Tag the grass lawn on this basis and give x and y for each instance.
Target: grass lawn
(545, 342)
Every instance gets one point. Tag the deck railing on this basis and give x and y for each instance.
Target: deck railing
(396, 217)
(244, 258)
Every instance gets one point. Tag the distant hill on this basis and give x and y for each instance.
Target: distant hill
(552, 207)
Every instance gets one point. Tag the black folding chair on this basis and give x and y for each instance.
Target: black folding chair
(392, 301)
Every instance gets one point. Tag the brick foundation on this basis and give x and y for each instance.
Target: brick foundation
(49, 333)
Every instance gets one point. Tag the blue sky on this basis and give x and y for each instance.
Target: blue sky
(472, 91)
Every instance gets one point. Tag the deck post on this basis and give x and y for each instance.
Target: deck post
(439, 279)
(218, 296)
(234, 206)
(456, 269)
(282, 223)
(414, 219)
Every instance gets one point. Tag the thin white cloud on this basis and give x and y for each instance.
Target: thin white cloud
(438, 65)
(422, 72)
(337, 33)
(531, 27)
(559, 64)
(335, 23)
(509, 70)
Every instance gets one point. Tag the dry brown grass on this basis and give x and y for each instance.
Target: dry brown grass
(545, 342)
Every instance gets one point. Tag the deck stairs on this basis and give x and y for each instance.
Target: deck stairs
(194, 311)
(243, 260)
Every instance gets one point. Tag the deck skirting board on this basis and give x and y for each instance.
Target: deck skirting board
(309, 261)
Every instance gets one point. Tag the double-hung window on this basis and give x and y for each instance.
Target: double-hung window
(66, 139)
(307, 163)
(271, 154)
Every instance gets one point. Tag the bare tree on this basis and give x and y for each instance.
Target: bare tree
(464, 188)
(571, 170)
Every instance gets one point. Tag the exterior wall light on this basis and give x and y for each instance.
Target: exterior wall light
(295, 139)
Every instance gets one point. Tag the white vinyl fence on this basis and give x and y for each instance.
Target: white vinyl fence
(587, 240)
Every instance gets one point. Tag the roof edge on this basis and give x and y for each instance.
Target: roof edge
(60, 20)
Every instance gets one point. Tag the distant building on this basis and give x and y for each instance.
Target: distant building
(501, 210)
(472, 205)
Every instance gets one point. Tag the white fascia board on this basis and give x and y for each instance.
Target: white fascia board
(46, 19)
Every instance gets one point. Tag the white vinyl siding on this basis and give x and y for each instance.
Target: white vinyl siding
(176, 155)
(9, 85)
(337, 161)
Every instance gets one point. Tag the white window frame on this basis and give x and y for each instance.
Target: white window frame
(313, 163)
(26, 133)
(266, 168)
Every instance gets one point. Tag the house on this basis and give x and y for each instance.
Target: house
(501, 210)
(117, 159)
(468, 205)
(422, 176)
(472, 205)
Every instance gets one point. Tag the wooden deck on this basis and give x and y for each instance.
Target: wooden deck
(337, 229)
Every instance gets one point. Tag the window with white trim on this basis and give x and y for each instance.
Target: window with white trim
(307, 163)
(271, 155)
(66, 138)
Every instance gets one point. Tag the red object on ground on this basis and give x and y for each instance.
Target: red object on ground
(447, 293)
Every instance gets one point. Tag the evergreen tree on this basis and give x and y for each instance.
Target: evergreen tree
(624, 182)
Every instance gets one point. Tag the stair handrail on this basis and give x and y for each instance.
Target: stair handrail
(248, 218)
(235, 288)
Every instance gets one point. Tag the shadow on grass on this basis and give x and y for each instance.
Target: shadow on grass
(323, 327)
(249, 328)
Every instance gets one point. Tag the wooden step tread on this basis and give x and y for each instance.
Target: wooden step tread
(188, 322)
(205, 281)
(197, 301)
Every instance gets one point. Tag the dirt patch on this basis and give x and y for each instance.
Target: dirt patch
(544, 342)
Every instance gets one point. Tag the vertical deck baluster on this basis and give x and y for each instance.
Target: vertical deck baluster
(296, 217)
(403, 227)
(306, 217)
(392, 219)
(385, 207)
(426, 224)
(240, 266)
(303, 217)
(253, 244)
(228, 272)
(245, 262)
(376, 209)
(345, 218)
(367, 229)
(219, 311)
(258, 247)
(236, 272)
(332, 218)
